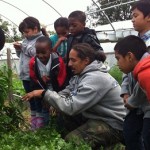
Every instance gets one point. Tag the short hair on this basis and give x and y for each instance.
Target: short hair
(29, 23)
(143, 6)
(78, 15)
(2, 38)
(61, 22)
(132, 44)
(85, 50)
(45, 39)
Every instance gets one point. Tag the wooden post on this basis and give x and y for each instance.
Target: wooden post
(10, 95)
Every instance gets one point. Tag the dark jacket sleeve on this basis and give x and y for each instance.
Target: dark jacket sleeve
(92, 40)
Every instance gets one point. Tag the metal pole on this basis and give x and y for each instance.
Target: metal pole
(112, 7)
(8, 35)
(104, 15)
(10, 78)
(15, 7)
(52, 8)
(8, 19)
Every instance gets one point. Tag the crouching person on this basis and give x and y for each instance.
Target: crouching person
(92, 92)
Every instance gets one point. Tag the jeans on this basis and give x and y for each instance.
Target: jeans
(146, 133)
(132, 130)
(27, 88)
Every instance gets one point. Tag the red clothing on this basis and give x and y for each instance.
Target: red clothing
(57, 73)
(141, 73)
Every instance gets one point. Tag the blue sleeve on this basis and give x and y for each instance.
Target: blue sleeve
(54, 39)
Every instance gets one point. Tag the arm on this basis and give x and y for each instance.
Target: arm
(60, 40)
(125, 86)
(92, 40)
(18, 48)
(137, 97)
(143, 79)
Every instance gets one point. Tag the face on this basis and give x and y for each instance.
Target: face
(125, 64)
(140, 23)
(43, 52)
(61, 31)
(30, 32)
(75, 26)
(77, 65)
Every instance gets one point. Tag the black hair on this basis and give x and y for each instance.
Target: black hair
(44, 39)
(143, 6)
(85, 50)
(78, 15)
(2, 38)
(61, 22)
(31, 23)
(132, 44)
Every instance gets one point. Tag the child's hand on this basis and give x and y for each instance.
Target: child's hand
(125, 98)
(45, 79)
(62, 38)
(129, 106)
(17, 45)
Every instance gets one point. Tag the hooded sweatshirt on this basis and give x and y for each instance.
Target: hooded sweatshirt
(142, 74)
(27, 51)
(94, 93)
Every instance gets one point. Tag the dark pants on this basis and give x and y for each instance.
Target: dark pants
(146, 133)
(27, 88)
(132, 130)
(36, 104)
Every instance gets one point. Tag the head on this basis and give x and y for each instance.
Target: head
(30, 26)
(61, 26)
(141, 16)
(128, 52)
(81, 55)
(2, 39)
(77, 21)
(43, 47)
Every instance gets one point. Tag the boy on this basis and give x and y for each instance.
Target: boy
(59, 40)
(141, 23)
(129, 54)
(80, 34)
(47, 71)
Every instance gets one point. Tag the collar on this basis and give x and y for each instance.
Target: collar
(146, 36)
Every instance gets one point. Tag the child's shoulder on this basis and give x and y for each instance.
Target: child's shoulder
(54, 37)
(89, 31)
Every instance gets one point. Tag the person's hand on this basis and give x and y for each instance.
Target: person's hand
(17, 45)
(125, 98)
(129, 106)
(35, 93)
(45, 79)
(62, 38)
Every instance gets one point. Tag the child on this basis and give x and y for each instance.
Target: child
(59, 43)
(131, 55)
(80, 34)
(47, 71)
(31, 30)
(134, 119)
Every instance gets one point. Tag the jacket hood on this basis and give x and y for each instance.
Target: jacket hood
(34, 36)
(143, 64)
(94, 66)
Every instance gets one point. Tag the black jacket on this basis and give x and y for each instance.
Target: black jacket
(87, 36)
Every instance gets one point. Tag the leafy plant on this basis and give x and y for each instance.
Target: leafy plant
(10, 110)
(43, 139)
(116, 73)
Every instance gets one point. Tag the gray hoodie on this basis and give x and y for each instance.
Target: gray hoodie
(27, 51)
(94, 93)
